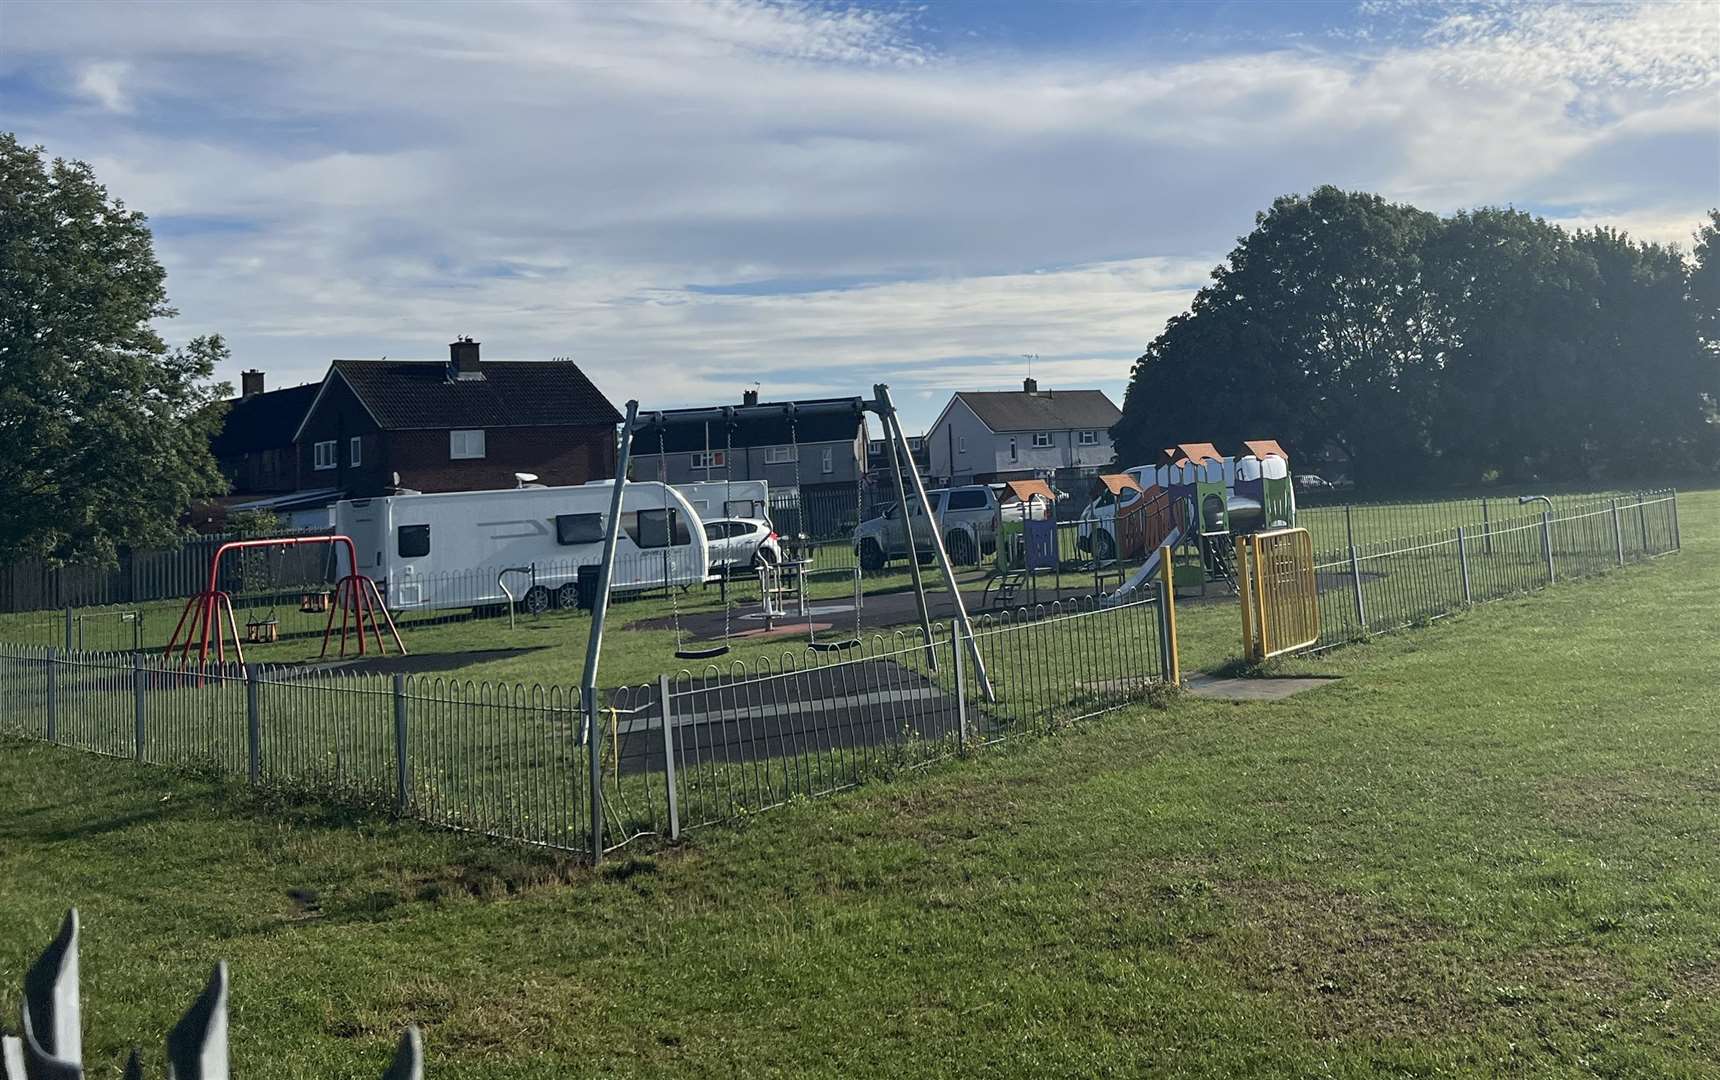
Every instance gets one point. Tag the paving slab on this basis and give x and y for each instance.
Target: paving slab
(1208, 686)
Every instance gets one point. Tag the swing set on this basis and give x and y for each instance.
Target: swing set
(355, 596)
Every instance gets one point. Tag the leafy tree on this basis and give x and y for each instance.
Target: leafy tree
(104, 432)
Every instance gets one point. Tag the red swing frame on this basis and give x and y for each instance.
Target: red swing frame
(356, 597)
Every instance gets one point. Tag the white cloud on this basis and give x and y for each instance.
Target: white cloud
(552, 178)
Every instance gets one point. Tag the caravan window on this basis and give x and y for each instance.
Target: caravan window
(652, 528)
(412, 541)
(578, 529)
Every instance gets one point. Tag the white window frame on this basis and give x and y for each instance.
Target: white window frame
(325, 454)
(355, 451)
(781, 455)
(1012, 450)
(1089, 438)
(827, 464)
(1042, 440)
(708, 459)
(961, 444)
(460, 446)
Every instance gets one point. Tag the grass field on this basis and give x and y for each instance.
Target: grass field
(1491, 847)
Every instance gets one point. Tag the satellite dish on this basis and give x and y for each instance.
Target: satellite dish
(524, 478)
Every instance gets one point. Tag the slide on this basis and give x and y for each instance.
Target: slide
(1126, 590)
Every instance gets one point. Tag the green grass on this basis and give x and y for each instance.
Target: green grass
(1491, 848)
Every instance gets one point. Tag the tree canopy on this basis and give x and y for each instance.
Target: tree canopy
(1412, 349)
(104, 431)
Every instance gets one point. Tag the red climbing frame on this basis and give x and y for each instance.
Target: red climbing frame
(356, 597)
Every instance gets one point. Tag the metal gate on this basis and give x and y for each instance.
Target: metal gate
(1280, 599)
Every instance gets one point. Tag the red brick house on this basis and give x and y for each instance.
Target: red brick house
(465, 425)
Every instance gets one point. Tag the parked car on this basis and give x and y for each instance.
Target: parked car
(742, 543)
(1310, 482)
(967, 519)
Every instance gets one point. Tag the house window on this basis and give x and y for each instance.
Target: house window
(326, 454)
(1041, 439)
(412, 541)
(573, 529)
(780, 455)
(355, 450)
(465, 445)
(961, 444)
(828, 462)
(1089, 438)
(1012, 454)
(916, 442)
(707, 459)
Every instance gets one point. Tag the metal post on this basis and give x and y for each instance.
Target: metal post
(667, 709)
(1677, 542)
(53, 698)
(1618, 533)
(913, 548)
(1547, 545)
(253, 727)
(888, 413)
(1356, 581)
(1463, 564)
(1642, 521)
(138, 741)
(594, 642)
(71, 646)
(961, 684)
(402, 764)
(1486, 531)
(1167, 579)
(1349, 526)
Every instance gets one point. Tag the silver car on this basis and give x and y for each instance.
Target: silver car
(967, 520)
(741, 543)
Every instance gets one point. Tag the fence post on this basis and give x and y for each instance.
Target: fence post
(253, 728)
(1463, 564)
(1486, 530)
(668, 711)
(1356, 582)
(1642, 521)
(1349, 527)
(1168, 581)
(1677, 543)
(138, 741)
(402, 771)
(594, 751)
(70, 646)
(1618, 533)
(1547, 545)
(53, 698)
(961, 685)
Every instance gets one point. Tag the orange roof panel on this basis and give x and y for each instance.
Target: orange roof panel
(1264, 448)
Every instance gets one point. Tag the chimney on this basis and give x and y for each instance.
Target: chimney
(749, 397)
(1030, 385)
(463, 359)
(250, 383)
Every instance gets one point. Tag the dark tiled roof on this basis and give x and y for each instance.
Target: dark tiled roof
(263, 421)
(1048, 410)
(765, 424)
(409, 394)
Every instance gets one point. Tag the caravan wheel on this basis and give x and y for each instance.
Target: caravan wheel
(567, 596)
(536, 600)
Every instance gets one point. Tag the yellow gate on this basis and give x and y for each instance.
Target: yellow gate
(1280, 602)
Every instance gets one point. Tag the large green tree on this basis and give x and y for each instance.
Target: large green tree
(104, 431)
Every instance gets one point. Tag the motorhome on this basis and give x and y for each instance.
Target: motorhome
(461, 549)
(714, 499)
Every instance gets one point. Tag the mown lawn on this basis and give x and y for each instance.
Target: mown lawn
(1491, 847)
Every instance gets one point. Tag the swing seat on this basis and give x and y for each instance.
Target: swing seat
(701, 654)
(834, 646)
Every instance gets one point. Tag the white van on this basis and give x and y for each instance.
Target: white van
(716, 499)
(449, 549)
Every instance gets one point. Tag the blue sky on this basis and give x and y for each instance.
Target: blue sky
(689, 197)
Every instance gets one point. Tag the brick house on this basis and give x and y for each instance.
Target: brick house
(466, 425)
(254, 448)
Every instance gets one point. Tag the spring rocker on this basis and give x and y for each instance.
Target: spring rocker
(355, 596)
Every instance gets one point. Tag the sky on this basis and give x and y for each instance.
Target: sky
(689, 198)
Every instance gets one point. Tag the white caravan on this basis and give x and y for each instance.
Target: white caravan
(714, 499)
(455, 549)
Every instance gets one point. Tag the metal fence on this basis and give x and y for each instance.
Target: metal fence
(1374, 587)
(513, 761)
